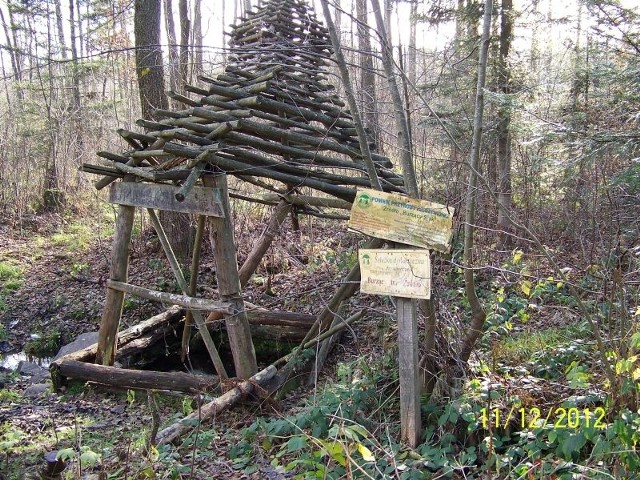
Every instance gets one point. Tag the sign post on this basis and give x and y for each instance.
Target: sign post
(402, 273)
(408, 359)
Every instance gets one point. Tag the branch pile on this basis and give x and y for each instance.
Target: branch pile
(271, 115)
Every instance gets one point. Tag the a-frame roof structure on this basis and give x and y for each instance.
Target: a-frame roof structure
(272, 118)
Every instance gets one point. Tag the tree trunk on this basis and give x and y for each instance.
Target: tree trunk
(185, 32)
(351, 99)
(152, 96)
(74, 56)
(197, 37)
(402, 126)
(61, 41)
(411, 61)
(388, 10)
(81, 42)
(367, 75)
(477, 312)
(504, 121)
(149, 69)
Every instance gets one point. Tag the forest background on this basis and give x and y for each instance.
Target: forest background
(557, 198)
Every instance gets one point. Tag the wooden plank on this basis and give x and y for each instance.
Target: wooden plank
(410, 420)
(112, 312)
(224, 251)
(199, 200)
(405, 273)
(171, 298)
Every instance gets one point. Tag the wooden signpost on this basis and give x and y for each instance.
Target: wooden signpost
(402, 273)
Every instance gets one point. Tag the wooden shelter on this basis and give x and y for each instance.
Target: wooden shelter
(272, 119)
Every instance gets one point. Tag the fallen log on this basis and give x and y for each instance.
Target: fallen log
(136, 379)
(209, 410)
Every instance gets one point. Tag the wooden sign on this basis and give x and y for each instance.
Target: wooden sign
(199, 200)
(400, 273)
(395, 217)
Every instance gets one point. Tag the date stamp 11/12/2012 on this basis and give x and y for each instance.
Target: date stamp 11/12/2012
(533, 417)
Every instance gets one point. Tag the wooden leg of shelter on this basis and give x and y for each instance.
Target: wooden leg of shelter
(224, 250)
(114, 299)
(257, 253)
(410, 421)
(193, 283)
(182, 283)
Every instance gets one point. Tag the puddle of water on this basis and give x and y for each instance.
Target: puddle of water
(10, 361)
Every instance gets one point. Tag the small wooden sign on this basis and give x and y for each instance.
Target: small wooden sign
(395, 217)
(199, 200)
(400, 273)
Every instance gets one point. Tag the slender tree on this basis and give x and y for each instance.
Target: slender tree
(74, 56)
(402, 126)
(173, 48)
(504, 120)
(185, 33)
(60, 28)
(367, 93)
(198, 40)
(477, 312)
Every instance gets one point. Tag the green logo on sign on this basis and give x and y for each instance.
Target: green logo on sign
(364, 200)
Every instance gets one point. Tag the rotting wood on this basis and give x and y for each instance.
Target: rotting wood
(243, 389)
(136, 379)
(157, 322)
(279, 318)
(209, 410)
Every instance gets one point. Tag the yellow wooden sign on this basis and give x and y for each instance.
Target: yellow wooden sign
(395, 217)
(400, 273)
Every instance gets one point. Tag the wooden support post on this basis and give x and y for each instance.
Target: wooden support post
(224, 250)
(115, 299)
(182, 282)
(410, 420)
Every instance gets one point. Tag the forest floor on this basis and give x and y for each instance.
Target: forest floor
(60, 268)
(534, 357)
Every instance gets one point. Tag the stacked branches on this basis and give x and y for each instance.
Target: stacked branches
(272, 114)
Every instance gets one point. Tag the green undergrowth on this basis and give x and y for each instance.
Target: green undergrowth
(350, 430)
(10, 280)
